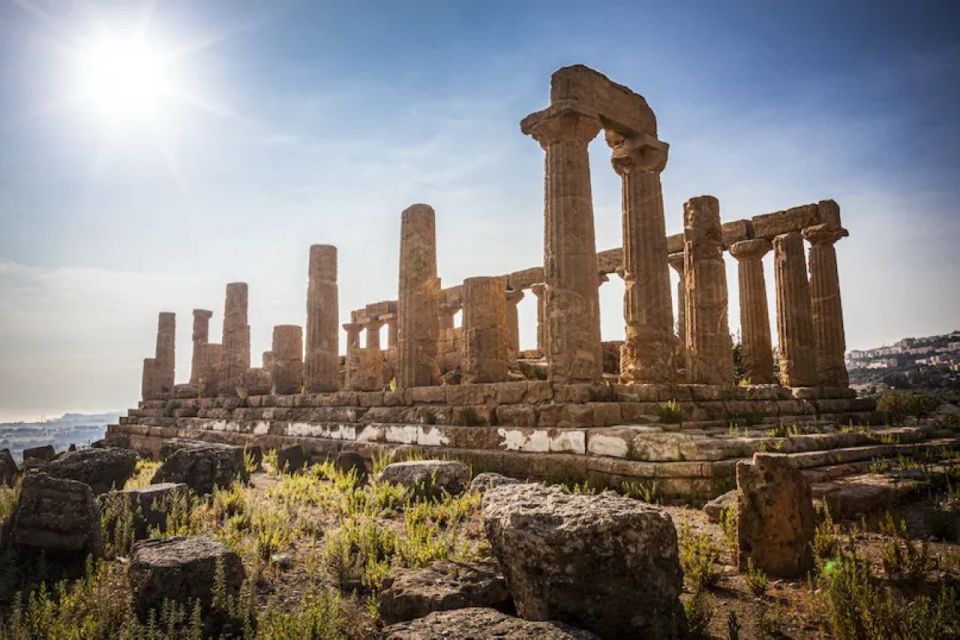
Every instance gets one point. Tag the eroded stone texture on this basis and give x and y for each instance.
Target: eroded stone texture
(391, 320)
(572, 345)
(372, 331)
(513, 298)
(150, 504)
(148, 383)
(428, 478)
(100, 469)
(709, 348)
(235, 357)
(201, 335)
(58, 515)
(8, 468)
(603, 562)
(353, 330)
(287, 372)
(267, 360)
(650, 347)
(202, 467)
(478, 623)
(164, 359)
(364, 370)
(323, 319)
(754, 313)
(825, 304)
(539, 290)
(774, 516)
(450, 340)
(211, 356)
(417, 362)
(796, 341)
(485, 330)
(255, 382)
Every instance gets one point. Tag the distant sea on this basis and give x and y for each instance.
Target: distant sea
(70, 428)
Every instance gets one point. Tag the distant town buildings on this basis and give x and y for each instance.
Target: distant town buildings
(932, 361)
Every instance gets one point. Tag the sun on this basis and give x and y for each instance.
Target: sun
(123, 78)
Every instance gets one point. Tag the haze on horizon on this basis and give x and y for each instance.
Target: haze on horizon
(272, 127)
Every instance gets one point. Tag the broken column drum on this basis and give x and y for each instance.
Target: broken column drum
(485, 330)
(201, 335)
(287, 370)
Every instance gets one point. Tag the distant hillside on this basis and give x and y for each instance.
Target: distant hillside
(932, 362)
(70, 428)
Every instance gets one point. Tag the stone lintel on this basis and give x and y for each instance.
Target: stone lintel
(619, 107)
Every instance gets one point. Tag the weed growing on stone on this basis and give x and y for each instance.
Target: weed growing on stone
(757, 580)
(670, 412)
(698, 560)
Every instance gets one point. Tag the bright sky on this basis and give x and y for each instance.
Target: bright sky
(227, 136)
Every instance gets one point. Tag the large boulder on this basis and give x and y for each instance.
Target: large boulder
(603, 562)
(775, 520)
(488, 480)
(351, 461)
(480, 624)
(102, 469)
(8, 469)
(428, 478)
(291, 459)
(181, 570)
(150, 504)
(56, 514)
(715, 508)
(203, 467)
(38, 456)
(443, 586)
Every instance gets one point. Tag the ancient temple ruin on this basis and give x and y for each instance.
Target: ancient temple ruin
(664, 407)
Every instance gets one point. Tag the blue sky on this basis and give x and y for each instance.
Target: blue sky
(320, 122)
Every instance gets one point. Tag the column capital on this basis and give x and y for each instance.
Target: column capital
(538, 289)
(753, 249)
(822, 234)
(561, 123)
(514, 296)
(202, 313)
(636, 152)
(352, 327)
(675, 260)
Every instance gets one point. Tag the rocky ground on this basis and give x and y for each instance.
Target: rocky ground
(323, 553)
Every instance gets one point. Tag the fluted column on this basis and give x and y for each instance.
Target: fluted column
(650, 347)
(675, 260)
(201, 335)
(322, 357)
(754, 313)
(709, 348)
(539, 290)
(353, 330)
(418, 328)
(391, 320)
(798, 351)
(211, 357)
(267, 359)
(513, 298)
(372, 328)
(826, 305)
(287, 369)
(485, 330)
(165, 363)
(572, 346)
(236, 339)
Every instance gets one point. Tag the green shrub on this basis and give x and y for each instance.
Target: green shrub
(670, 412)
(698, 559)
(757, 580)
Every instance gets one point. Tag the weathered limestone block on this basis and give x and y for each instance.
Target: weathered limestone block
(488, 480)
(709, 348)
(287, 370)
(8, 469)
(418, 327)
(100, 469)
(353, 330)
(825, 303)
(150, 504)
(540, 291)
(57, 515)
(203, 467)
(476, 623)
(255, 382)
(164, 357)
(606, 563)
(211, 356)
(185, 391)
(591, 91)
(797, 344)
(201, 335)
(650, 348)
(235, 358)
(291, 459)
(754, 313)
(41, 454)
(443, 586)
(267, 360)
(771, 225)
(353, 462)
(182, 570)
(364, 370)
(428, 478)
(715, 508)
(513, 297)
(775, 520)
(372, 329)
(572, 304)
(485, 330)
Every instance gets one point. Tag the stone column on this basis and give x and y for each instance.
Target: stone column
(650, 346)
(445, 312)
(798, 351)
(372, 327)
(513, 298)
(211, 356)
(201, 335)
(165, 355)
(572, 346)
(539, 290)
(826, 305)
(485, 330)
(754, 313)
(709, 348)
(353, 330)
(236, 339)
(675, 260)
(391, 320)
(287, 370)
(418, 327)
(267, 360)
(148, 382)
(322, 359)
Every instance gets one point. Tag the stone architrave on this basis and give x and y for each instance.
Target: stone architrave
(165, 355)
(322, 359)
(797, 344)
(485, 330)
(419, 287)
(513, 297)
(650, 346)
(201, 335)
(826, 305)
(754, 313)
(236, 339)
(353, 330)
(709, 348)
(148, 383)
(287, 372)
(539, 290)
(364, 370)
(572, 347)
(211, 357)
(675, 260)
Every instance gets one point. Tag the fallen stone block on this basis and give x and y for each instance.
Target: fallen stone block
(57, 514)
(428, 478)
(478, 624)
(101, 469)
(488, 480)
(202, 468)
